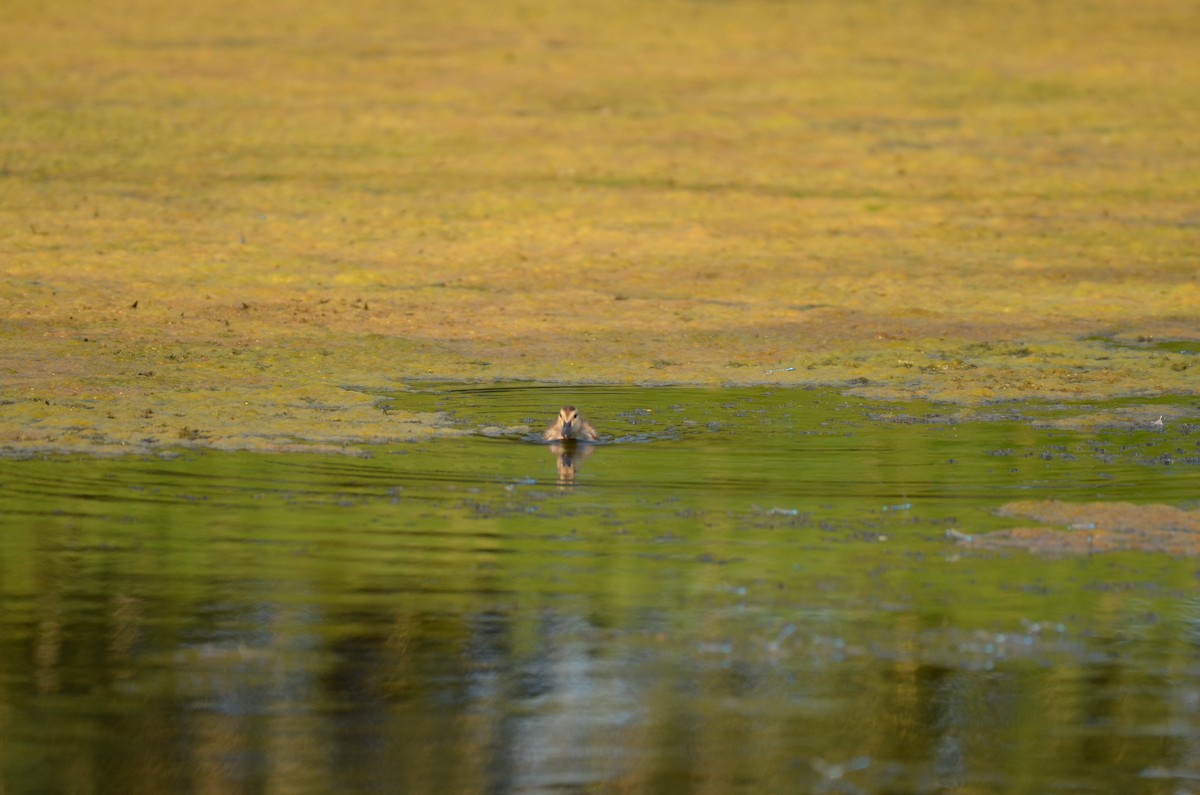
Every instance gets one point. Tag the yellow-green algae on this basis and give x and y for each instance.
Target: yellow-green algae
(1086, 528)
(215, 217)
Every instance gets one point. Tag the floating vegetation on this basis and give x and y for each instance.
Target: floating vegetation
(1086, 528)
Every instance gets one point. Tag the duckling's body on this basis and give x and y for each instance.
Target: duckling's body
(570, 426)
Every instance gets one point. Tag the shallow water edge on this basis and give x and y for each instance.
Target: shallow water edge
(356, 419)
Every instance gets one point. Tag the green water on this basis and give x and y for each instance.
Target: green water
(740, 591)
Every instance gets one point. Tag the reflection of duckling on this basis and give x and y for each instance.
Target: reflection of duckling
(570, 426)
(567, 456)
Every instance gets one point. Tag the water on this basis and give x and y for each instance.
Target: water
(747, 591)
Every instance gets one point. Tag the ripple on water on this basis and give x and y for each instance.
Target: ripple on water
(773, 581)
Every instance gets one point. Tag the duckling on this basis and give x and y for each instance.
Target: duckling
(570, 426)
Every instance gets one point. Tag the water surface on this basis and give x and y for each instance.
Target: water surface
(738, 591)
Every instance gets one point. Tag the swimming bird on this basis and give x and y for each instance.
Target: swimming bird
(570, 426)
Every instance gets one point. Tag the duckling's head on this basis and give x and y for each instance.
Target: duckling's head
(569, 417)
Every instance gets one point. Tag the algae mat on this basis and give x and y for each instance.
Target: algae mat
(232, 224)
